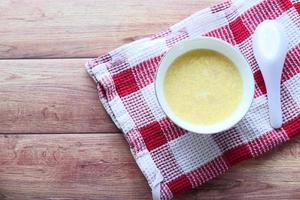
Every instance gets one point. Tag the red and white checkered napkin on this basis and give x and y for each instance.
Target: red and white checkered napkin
(174, 160)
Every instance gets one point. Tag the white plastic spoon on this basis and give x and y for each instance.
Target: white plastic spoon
(270, 45)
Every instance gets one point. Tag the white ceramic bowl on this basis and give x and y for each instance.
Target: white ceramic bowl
(230, 52)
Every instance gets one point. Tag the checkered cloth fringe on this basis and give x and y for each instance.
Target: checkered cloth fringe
(172, 159)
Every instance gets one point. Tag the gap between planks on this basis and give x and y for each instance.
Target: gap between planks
(45, 58)
(64, 133)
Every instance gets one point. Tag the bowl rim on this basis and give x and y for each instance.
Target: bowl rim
(227, 123)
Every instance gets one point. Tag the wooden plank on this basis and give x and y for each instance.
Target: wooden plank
(49, 96)
(97, 166)
(100, 166)
(77, 28)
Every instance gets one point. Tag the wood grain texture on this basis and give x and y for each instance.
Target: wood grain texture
(49, 96)
(77, 28)
(69, 167)
(56, 96)
(100, 166)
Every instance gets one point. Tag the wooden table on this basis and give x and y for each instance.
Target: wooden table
(56, 140)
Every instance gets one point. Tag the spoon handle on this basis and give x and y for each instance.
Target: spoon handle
(272, 82)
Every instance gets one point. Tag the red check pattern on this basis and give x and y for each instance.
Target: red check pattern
(172, 159)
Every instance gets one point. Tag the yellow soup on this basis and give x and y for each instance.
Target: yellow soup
(203, 87)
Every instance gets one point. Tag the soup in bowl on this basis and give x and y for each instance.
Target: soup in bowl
(204, 85)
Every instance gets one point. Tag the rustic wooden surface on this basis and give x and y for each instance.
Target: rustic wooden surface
(49, 96)
(56, 141)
